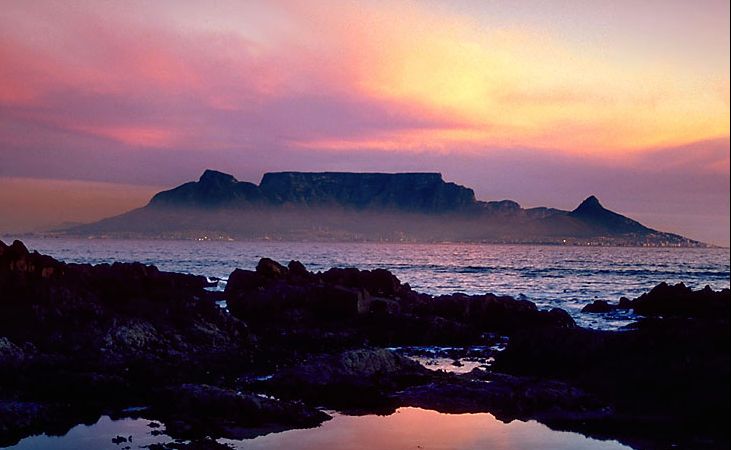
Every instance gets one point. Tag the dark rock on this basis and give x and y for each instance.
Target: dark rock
(598, 306)
(624, 303)
(662, 375)
(376, 282)
(495, 313)
(244, 281)
(85, 325)
(507, 397)
(298, 269)
(352, 378)
(195, 444)
(680, 300)
(271, 269)
(194, 411)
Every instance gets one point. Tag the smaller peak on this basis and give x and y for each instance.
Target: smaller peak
(591, 203)
(214, 176)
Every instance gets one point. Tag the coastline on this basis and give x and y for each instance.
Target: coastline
(167, 329)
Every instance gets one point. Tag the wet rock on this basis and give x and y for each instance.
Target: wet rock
(493, 313)
(118, 440)
(663, 374)
(299, 311)
(681, 301)
(76, 332)
(243, 281)
(193, 411)
(506, 396)
(378, 282)
(624, 303)
(268, 268)
(599, 307)
(196, 444)
(10, 354)
(297, 269)
(352, 378)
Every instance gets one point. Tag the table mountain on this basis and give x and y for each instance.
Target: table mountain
(346, 206)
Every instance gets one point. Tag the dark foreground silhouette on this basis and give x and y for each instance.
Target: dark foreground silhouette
(346, 206)
(78, 341)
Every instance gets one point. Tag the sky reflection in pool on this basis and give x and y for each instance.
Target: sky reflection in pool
(414, 428)
(407, 428)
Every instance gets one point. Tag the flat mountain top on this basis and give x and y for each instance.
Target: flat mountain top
(422, 192)
(348, 206)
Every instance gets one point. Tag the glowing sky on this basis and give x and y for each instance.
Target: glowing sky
(541, 101)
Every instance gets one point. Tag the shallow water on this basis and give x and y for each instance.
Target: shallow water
(407, 428)
(551, 276)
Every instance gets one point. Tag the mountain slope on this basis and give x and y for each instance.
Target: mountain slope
(347, 206)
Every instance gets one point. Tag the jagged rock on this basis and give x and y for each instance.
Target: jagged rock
(193, 411)
(624, 303)
(671, 371)
(507, 397)
(269, 268)
(680, 300)
(297, 269)
(598, 306)
(356, 377)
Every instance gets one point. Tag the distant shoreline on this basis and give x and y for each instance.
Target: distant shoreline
(41, 235)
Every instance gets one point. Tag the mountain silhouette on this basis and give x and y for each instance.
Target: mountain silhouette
(418, 207)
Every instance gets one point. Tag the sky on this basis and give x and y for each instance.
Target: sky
(103, 103)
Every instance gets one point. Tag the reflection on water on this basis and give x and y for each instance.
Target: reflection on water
(98, 436)
(407, 428)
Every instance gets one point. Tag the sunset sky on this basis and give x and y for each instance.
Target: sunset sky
(544, 102)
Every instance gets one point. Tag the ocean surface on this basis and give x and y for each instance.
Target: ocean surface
(567, 277)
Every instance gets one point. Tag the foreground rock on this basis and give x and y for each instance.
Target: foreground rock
(296, 310)
(349, 380)
(681, 301)
(193, 411)
(667, 379)
(672, 301)
(77, 341)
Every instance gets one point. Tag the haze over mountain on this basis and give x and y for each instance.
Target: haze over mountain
(331, 206)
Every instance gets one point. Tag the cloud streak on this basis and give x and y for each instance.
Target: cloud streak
(379, 75)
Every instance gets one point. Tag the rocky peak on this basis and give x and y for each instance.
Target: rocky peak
(590, 204)
(592, 212)
(216, 177)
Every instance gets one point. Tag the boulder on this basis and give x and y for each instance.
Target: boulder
(268, 268)
(193, 411)
(681, 301)
(598, 306)
(352, 378)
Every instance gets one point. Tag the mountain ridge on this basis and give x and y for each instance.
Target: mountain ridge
(370, 206)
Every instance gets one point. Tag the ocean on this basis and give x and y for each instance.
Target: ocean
(567, 277)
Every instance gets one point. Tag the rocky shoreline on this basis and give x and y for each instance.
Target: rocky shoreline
(78, 341)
